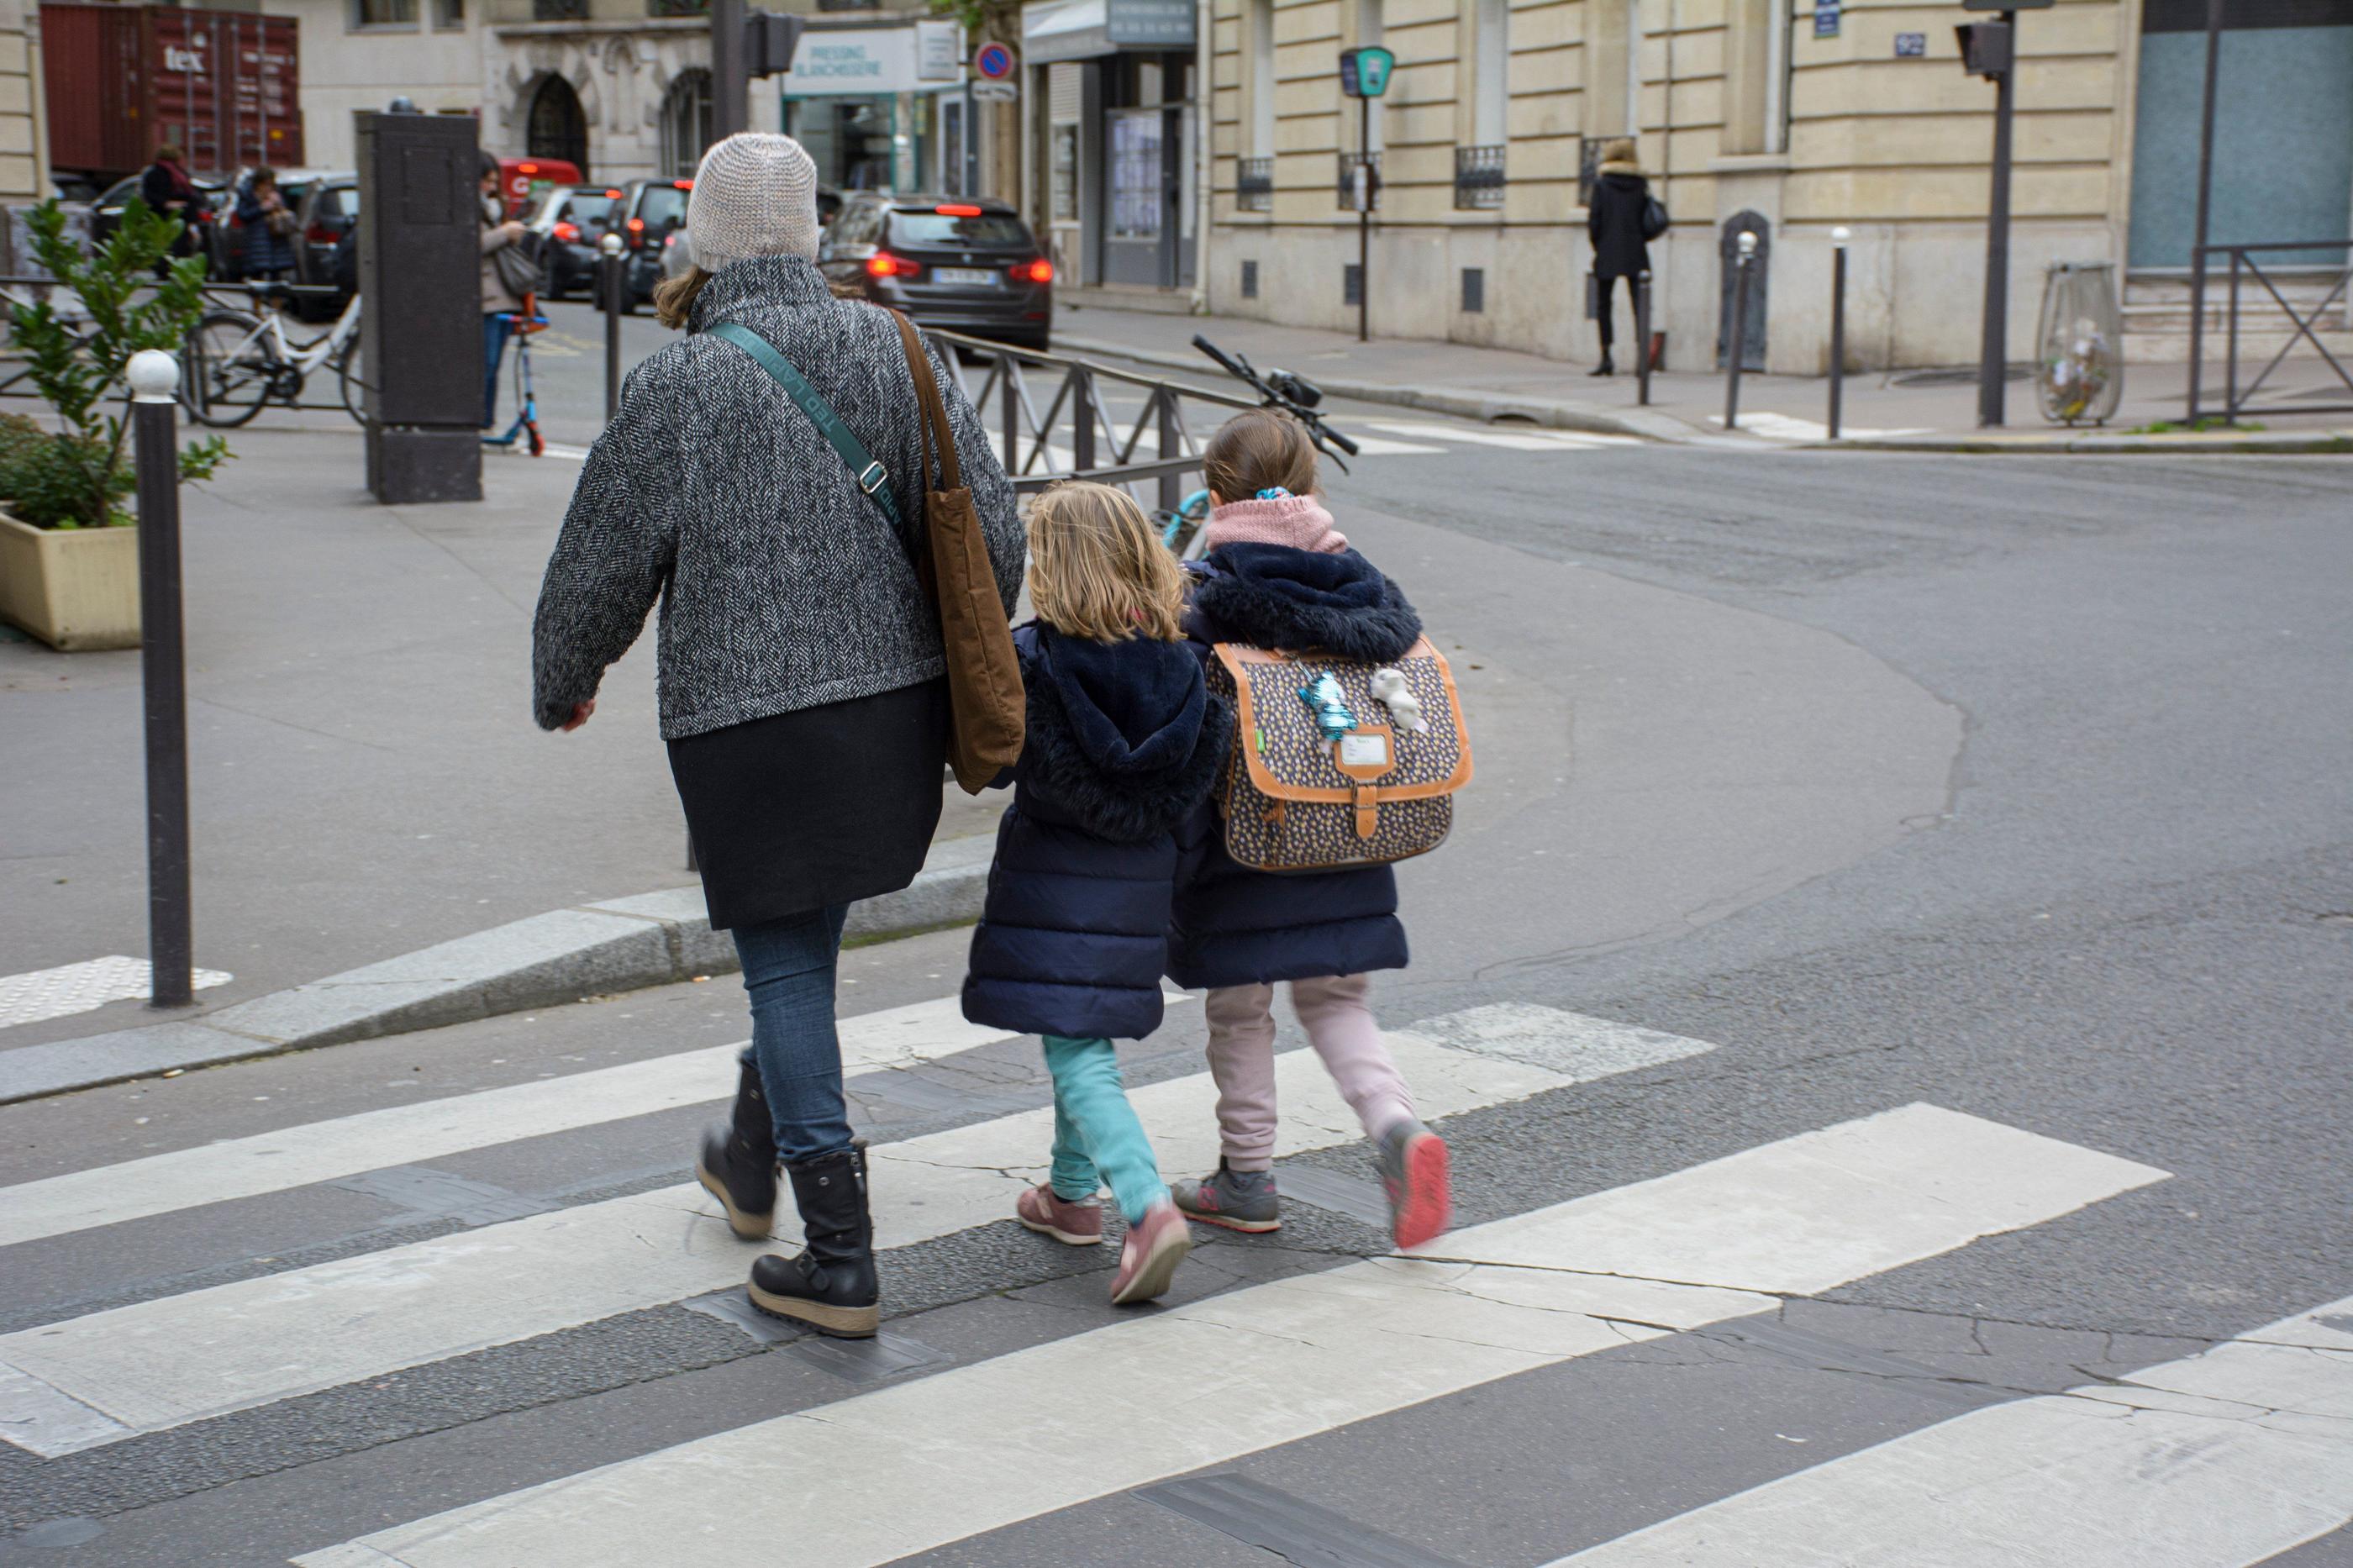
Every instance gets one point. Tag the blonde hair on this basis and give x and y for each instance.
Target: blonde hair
(1262, 449)
(1618, 149)
(674, 297)
(1097, 569)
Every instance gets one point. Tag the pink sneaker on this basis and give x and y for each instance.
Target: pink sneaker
(1155, 1245)
(1047, 1213)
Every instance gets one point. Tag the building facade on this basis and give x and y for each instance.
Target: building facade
(1783, 117)
(24, 116)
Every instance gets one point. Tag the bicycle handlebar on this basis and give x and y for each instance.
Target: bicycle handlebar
(1300, 407)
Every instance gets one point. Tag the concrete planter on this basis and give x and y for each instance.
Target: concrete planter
(73, 588)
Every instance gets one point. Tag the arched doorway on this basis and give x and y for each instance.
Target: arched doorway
(555, 126)
(686, 122)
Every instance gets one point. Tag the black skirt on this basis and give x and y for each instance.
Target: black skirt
(822, 806)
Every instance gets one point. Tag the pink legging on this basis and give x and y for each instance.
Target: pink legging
(1341, 1028)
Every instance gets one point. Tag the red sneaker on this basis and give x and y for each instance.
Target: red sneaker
(1047, 1213)
(1413, 1173)
(1155, 1245)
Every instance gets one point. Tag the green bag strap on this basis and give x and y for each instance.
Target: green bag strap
(871, 475)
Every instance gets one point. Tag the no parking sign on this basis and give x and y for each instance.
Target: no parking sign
(993, 62)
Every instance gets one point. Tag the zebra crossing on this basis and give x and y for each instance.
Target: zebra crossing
(2223, 1458)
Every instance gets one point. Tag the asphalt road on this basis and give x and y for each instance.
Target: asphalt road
(2011, 788)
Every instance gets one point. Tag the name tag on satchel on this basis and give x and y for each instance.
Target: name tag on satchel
(1365, 752)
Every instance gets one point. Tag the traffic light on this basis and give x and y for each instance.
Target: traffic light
(769, 43)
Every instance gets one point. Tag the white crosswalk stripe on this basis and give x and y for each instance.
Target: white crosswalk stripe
(2225, 1459)
(163, 1362)
(979, 1447)
(1523, 440)
(411, 1133)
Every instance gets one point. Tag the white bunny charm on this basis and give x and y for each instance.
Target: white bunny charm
(1390, 690)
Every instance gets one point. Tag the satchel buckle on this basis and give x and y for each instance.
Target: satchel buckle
(875, 478)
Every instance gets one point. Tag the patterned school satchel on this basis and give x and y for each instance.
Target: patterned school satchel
(1339, 762)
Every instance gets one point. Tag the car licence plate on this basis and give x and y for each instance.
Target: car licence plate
(966, 276)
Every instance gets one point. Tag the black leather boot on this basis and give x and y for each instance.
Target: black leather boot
(830, 1285)
(1605, 367)
(738, 1162)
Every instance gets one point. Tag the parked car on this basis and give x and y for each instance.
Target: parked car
(71, 188)
(575, 219)
(651, 210)
(328, 213)
(106, 215)
(969, 265)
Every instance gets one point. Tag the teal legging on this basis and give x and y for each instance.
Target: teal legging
(1097, 1138)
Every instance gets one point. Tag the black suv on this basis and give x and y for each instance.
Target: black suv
(575, 219)
(967, 264)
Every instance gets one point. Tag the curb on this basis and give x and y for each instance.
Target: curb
(1558, 413)
(545, 961)
(2185, 443)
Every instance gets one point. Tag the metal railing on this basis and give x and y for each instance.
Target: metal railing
(1156, 447)
(1254, 185)
(2243, 265)
(1477, 177)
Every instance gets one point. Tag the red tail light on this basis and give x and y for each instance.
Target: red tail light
(957, 211)
(569, 233)
(637, 233)
(683, 185)
(318, 234)
(882, 264)
(612, 195)
(1038, 271)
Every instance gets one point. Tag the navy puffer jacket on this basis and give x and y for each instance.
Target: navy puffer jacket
(1235, 926)
(1125, 743)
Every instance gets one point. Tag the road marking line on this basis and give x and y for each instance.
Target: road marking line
(1790, 428)
(163, 1362)
(2224, 1458)
(412, 1135)
(1530, 440)
(82, 987)
(979, 1447)
(1375, 446)
(1574, 1045)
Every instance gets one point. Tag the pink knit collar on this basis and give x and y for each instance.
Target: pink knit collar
(1298, 521)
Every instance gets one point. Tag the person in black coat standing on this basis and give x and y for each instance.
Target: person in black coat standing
(165, 187)
(1617, 222)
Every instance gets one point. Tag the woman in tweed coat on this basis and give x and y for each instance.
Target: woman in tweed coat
(800, 671)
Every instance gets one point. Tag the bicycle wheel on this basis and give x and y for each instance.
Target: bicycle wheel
(228, 370)
(350, 374)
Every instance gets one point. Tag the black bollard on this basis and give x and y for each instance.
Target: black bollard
(1839, 237)
(1737, 338)
(170, 940)
(1642, 339)
(608, 284)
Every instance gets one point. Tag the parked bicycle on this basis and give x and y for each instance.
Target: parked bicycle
(239, 360)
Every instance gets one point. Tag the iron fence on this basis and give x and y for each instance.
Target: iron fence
(1156, 447)
(1477, 177)
(2302, 325)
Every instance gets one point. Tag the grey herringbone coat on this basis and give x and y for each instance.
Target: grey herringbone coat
(781, 586)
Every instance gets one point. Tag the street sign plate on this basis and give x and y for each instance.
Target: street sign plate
(996, 91)
(993, 62)
(1826, 18)
(1364, 73)
(1911, 46)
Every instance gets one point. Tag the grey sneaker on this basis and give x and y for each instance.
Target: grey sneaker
(1237, 1200)
(1413, 1173)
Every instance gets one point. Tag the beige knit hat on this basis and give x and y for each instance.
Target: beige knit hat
(756, 194)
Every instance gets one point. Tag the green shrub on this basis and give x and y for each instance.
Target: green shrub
(78, 477)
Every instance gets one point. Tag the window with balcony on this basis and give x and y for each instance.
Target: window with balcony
(686, 123)
(1254, 185)
(1477, 177)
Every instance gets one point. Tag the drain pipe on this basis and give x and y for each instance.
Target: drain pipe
(1204, 170)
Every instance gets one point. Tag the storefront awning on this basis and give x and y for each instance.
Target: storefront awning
(1084, 29)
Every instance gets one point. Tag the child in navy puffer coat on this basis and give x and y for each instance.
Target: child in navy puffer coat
(1124, 743)
(1279, 576)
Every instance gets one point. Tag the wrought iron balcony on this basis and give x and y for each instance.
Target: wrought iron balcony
(1479, 177)
(1347, 183)
(1254, 185)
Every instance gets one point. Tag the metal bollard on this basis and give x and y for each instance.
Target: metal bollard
(1839, 237)
(154, 376)
(608, 284)
(1737, 338)
(1642, 339)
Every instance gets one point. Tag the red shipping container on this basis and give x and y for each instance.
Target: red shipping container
(122, 79)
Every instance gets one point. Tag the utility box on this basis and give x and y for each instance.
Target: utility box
(421, 319)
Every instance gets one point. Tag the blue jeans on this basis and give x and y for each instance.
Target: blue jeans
(497, 327)
(1097, 1138)
(788, 971)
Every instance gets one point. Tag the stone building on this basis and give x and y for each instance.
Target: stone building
(24, 117)
(1783, 117)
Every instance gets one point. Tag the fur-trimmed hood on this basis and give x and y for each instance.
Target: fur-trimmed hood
(1632, 170)
(1124, 737)
(1270, 595)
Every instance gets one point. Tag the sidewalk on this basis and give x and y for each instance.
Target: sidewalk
(367, 779)
(1933, 410)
